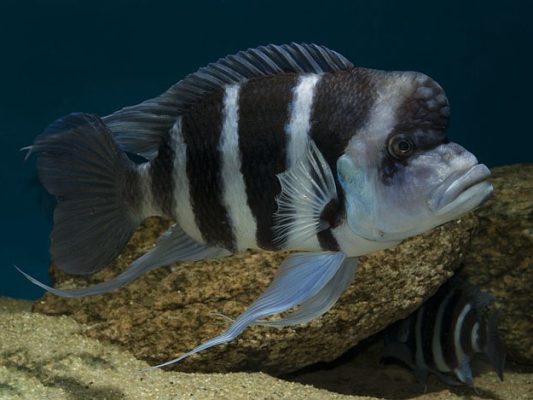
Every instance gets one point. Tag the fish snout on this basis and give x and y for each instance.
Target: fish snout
(463, 190)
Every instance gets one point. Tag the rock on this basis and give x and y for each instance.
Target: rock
(170, 310)
(44, 357)
(49, 357)
(500, 260)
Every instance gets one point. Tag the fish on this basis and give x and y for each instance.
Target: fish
(279, 147)
(446, 332)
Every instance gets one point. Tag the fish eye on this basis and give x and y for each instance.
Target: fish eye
(401, 146)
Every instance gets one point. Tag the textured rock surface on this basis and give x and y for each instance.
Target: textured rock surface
(501, 257)
(169, 311)
(44, 357)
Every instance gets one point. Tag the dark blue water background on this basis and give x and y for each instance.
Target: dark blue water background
(94, 56)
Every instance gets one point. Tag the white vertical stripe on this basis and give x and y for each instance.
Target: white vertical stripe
(297, 131)
(436, 343)
(380, 121)
(184, 213)
(459, 353)
(382, 117)
(300, 118)
(148, 206)
(234, 190)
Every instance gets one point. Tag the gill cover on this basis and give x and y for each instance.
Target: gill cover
(360, 207)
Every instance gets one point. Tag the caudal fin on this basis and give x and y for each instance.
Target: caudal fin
(96, 187)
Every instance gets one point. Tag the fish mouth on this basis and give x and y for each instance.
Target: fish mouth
(461, 191)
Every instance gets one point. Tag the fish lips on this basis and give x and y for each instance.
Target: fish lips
(461, 191)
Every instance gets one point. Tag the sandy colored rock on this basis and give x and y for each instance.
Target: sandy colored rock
(170, 310)
(45, 357)
(501, 257)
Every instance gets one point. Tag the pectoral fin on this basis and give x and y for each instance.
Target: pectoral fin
(306, 189)
(322, 301)
(174, 245)
(300, 277)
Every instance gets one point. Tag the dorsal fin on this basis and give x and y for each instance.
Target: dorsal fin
(139, 129)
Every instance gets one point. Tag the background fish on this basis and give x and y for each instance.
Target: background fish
(279, 147)
(445, 333)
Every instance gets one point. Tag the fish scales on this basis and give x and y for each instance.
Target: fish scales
(467, 332)
(439, 335)
(278, 147)
(243, 223)
(450, 324)
(184, 211)
(266, 107)
(263, 116)
(445, 333)
(161, 180)
(201, 129)
(446, 340)
(342, 105)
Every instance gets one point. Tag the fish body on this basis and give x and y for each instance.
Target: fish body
(445, 333)
(244, 136)
(281, 148)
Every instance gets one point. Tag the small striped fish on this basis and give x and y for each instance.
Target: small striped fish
(445, 333)
(278, 147)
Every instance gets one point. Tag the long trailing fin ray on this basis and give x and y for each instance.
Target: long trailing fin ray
(140, 128)
(95, 185)
(174, 245)
(322, 301)
(300, 277)
(306, 189)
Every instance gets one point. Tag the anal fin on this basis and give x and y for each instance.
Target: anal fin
(174, 245)
(322, 301)
(300, 277)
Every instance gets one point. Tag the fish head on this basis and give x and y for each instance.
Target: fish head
(400, 174)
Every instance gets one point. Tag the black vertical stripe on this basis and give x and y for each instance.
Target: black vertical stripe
(482, 340)
(132, 188)
(419, 356)
(342, 104)
(327, 241)
(416, 114)
(466, 331)
(263, 115)
(427, 329)
(162, 180)
(201, 128)
(451, 312)
(331, 215)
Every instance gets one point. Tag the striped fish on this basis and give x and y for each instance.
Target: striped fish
(445, 333)
(278, 147)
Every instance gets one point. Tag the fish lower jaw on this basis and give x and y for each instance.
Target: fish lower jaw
(466, 201)
(461, 191)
